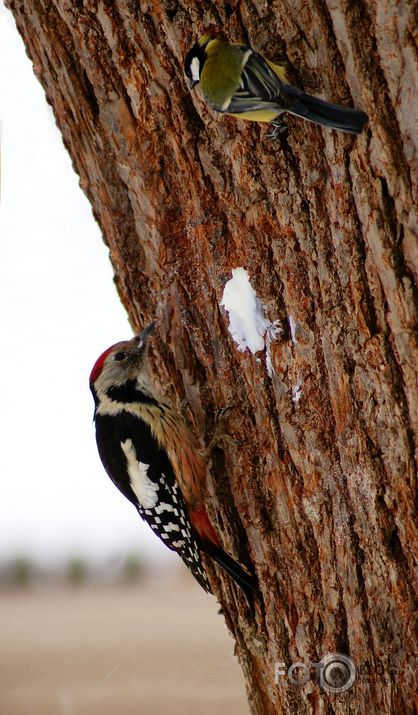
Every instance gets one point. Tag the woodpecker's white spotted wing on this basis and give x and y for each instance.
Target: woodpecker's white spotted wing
(143, 473)
(170, 521)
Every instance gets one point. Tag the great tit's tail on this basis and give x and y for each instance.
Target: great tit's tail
(242, 578)
(321, 112)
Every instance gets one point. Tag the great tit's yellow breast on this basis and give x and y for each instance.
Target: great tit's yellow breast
(257, 115)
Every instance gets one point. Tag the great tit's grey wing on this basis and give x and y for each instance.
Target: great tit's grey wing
(260, 87)
(259, 79)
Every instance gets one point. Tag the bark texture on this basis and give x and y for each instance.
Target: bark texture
(318, 495)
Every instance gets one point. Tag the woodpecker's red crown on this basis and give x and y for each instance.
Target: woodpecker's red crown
(98, 365)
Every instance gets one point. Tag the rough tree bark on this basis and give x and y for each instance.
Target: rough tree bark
(318, 495)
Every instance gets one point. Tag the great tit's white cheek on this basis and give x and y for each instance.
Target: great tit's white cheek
(195, 69)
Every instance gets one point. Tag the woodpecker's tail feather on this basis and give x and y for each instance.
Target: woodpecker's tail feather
(319, 111)
(242, 578)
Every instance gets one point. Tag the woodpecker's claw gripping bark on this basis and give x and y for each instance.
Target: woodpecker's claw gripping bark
(220, 437)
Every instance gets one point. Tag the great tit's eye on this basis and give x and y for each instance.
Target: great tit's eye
(121, 356)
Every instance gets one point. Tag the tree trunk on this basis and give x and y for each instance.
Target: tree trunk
(317, 495)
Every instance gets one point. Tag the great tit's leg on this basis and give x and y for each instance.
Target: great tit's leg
(279, 127)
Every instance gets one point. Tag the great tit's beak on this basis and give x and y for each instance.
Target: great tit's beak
(191, 83)
(143, 336)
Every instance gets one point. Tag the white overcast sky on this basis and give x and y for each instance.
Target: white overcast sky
(59, 310)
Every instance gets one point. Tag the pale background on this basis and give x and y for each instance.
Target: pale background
(59, 311)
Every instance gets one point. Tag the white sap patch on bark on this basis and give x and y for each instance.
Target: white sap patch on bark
(293, 328)
(247, 323)
(297, 392)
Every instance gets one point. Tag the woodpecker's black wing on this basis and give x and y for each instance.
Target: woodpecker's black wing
(142, 471)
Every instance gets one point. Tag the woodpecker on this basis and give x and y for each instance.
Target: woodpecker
(153, 458)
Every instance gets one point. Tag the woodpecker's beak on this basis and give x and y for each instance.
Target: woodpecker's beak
(191, 83)
(144, 334)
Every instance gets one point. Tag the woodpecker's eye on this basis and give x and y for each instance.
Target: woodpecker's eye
(121, 356)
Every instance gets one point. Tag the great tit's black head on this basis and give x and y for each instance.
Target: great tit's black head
(195, 59)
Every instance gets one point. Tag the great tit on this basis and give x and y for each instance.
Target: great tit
(236, 80)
